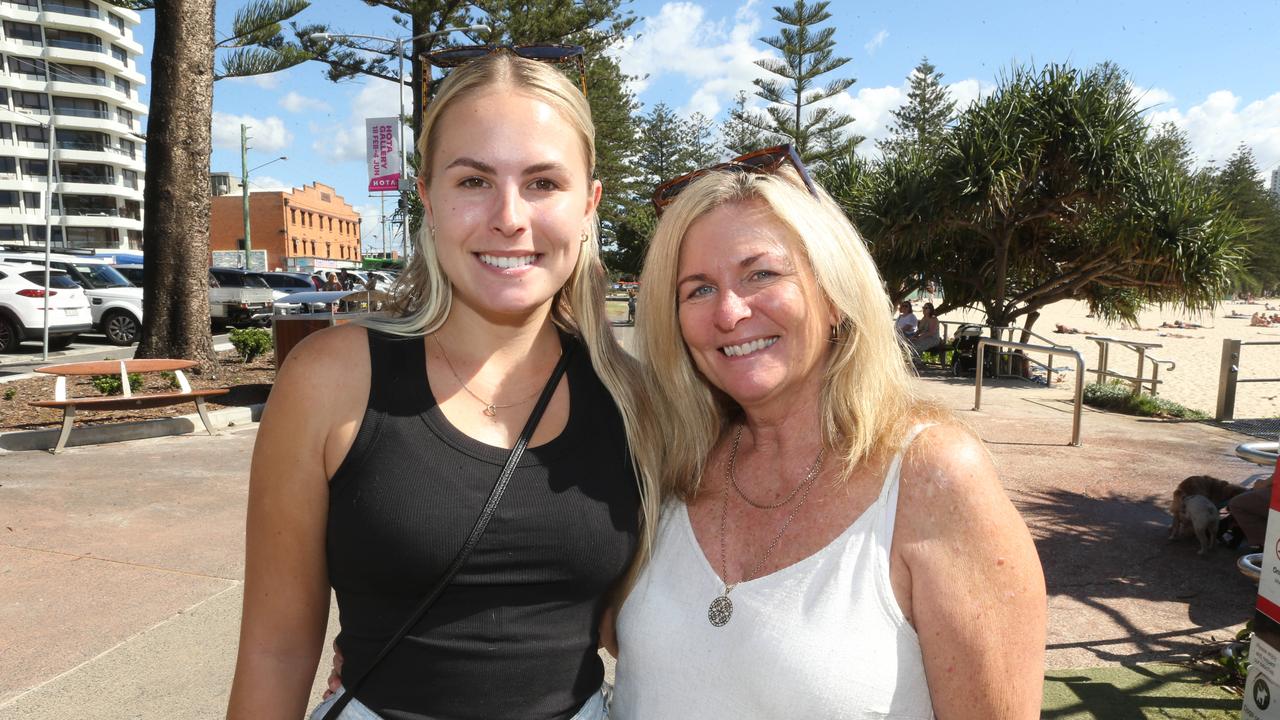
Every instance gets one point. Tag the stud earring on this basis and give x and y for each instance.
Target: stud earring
(585, 237)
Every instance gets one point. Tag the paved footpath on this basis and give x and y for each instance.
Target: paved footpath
(121, 565)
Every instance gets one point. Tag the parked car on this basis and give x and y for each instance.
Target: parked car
(239, 298)
(115, 302)
(284, 284)
(22, 304)
(331, 301)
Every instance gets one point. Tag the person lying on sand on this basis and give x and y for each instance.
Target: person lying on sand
(1060, 328)
(1259, 320)
(1182, 325)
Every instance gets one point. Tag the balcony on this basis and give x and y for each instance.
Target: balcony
(69, 10)
(76, 45)
(87, 212)
(87, 179)
(83, 112)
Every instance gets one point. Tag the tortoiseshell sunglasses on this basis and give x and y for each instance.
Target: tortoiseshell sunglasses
(764, 161)
(453, 57)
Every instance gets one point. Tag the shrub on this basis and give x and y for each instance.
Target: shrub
(110, 384)
(250, 342)
(171, 380)
(1120, 397)
(10, 393)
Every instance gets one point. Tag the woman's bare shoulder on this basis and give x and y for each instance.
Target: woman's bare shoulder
(946, 468)
(324, 372)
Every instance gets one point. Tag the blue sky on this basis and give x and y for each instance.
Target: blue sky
(1212, 68)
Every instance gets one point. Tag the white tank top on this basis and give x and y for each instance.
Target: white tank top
(822, 638)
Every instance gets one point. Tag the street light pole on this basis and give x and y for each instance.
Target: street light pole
(244, 188)
(405, 183)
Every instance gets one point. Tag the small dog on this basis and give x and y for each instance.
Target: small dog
(1216, 491)
(1204, 517)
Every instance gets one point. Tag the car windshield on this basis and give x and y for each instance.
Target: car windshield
(58, 280)
(255, 281)
(101, 276)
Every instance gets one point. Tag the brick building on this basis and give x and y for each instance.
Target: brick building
(304, 229)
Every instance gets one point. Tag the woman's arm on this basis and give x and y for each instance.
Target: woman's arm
(286, 590)
(973, 583)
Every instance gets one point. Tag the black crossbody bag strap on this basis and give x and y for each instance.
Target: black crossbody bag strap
(490, 507)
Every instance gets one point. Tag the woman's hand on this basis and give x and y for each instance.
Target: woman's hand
(335, 675)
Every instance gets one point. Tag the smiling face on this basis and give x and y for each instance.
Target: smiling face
(510, 198)
(750, 310)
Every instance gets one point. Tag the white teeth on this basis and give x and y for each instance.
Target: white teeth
(749, 347)
(508, 262)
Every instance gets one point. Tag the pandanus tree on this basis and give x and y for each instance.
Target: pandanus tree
(1050, 188)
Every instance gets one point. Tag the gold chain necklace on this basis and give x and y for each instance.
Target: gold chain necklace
(490, 409)
(721, 608)
(733, 480)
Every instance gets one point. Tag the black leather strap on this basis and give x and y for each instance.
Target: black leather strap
(482, 522)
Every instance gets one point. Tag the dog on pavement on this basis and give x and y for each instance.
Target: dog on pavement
(1204, 517)
(1216, 491)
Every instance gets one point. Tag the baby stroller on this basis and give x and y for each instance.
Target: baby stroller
(964, 357)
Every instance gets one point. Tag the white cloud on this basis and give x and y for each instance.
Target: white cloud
(874, 43)
(266, 82)
(1217, 126)
(719, 56)
(294, 102)
(966, 92)
(267, 183)
(345, 141)
(265, 134)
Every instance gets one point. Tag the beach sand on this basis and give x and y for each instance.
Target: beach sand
(1197, 352)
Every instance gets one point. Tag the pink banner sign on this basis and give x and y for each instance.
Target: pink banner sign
(382, 149)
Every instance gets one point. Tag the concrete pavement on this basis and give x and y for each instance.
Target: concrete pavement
(121, 565)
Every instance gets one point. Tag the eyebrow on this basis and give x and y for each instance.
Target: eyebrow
(744, 263)
(484, 167)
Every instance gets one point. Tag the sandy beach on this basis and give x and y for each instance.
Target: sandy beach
(1196, 352)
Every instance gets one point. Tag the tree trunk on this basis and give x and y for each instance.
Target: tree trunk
(176, 232)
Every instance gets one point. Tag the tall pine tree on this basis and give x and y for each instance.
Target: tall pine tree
(1239, 183)
(818, 132)
(739, 133)
(923, 119)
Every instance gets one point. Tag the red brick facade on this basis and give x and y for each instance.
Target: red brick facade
(304, 229)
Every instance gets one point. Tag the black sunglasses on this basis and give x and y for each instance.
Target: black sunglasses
(764, 161)
(453, 57)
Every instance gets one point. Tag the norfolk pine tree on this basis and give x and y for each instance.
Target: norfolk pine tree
(816, 132)
(175, 232)
(924, 118)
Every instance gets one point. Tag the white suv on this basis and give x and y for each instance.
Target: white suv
(22, 299)
(115, 302)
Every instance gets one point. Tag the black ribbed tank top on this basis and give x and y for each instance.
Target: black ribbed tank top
(515, 634)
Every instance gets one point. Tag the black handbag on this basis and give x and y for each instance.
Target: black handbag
(490, 507)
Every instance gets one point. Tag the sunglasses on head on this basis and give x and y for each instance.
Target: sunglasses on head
(453, 57)
(765, 161)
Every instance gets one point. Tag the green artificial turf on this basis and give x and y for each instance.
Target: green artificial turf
(1135, 693)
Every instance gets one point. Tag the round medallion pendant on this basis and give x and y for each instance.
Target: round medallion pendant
(720, 611)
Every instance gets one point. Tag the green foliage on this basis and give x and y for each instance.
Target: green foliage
(170, 380)
(256, 44)
(110, 384)
(10, 393)
(922, 121)
(1120, 397)
(1050, 188)
(1241, 187)
(250, 342)
(817, 132)
(738, 133)
(1233, 660)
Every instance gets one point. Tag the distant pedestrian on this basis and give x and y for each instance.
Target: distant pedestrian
(331, 282)
(631, 306)
(346, 279)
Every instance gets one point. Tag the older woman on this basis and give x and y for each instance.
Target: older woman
(837, 547)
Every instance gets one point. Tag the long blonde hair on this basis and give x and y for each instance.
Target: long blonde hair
(867, 393)
(423, 290)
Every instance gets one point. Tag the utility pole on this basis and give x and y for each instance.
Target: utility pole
(244, 188)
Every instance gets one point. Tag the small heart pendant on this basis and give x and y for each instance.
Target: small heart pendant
(491, 411)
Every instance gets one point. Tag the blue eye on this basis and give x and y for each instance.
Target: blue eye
(700, 291)
(763, 274)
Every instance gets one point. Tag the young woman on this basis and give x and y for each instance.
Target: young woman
(372, 465)
(837, 547)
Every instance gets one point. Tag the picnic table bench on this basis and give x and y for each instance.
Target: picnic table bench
(128, 400)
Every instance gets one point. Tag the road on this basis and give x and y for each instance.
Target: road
(86, 347)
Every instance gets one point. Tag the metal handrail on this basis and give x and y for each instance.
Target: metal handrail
(1229, 376)
(1079, 393)
(1103, 372)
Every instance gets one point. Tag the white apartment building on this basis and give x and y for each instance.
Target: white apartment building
(72, 64)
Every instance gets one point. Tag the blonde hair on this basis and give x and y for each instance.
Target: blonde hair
(424, 296)
(868, 396)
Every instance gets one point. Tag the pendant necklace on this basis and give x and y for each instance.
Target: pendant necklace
(490, 409)
(721, 608)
